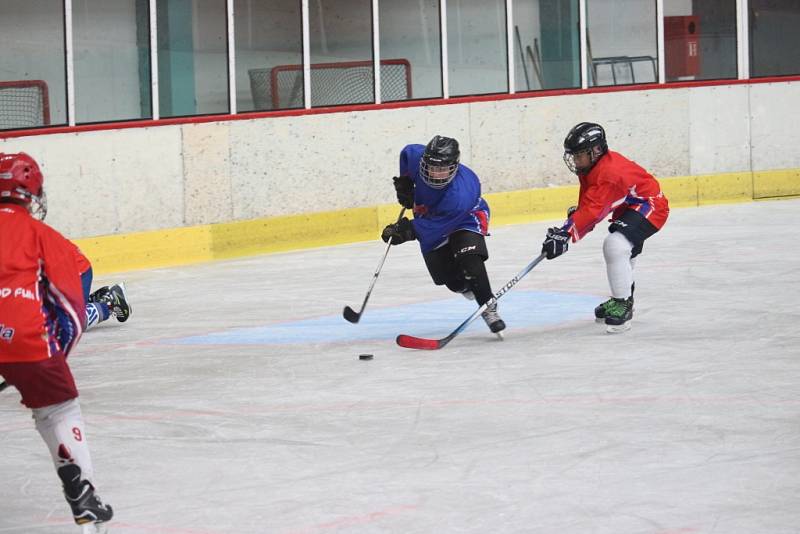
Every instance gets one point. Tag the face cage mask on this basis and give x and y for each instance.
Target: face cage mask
(594, 154)
(427, 172)
(37, 204)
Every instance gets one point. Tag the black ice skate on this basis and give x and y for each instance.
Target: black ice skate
(601, 311)
(100, 294)
(493, 320)
(87, 508)
(117, 301)
(618, 315)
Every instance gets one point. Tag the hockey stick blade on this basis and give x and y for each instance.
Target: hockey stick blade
(421, 343)
(351, 315)
(411, 342)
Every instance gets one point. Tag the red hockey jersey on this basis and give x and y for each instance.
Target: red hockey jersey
(41, 299)
(615, 184)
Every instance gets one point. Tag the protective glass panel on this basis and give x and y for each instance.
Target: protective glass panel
(268, 35)
(32, 75)
(341, 55)
(112, 60)
(410, 38)
(622, 45)
(546, 44)
(476, 47)
(774, 38)
(699, 39)
(192, 57)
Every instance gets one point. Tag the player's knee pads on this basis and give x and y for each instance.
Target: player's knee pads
(471, 266)
(616, 247)
(51, 415)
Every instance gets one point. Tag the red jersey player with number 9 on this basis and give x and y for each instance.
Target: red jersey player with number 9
(42, 318)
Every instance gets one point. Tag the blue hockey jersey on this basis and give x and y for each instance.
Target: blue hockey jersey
(440, 212)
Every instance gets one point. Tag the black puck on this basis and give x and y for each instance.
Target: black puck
(365, 356)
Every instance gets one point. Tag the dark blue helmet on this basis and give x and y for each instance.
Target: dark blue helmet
(439, 162)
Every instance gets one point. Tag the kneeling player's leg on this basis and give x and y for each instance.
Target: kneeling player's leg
(96, 311)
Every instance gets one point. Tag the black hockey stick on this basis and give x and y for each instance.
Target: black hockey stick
(349, 313)
(412, 342)
(3, 385)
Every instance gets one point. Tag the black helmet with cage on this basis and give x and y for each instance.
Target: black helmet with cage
(439, 162)
(584, 138)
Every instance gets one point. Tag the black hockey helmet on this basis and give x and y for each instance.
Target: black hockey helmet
(439, 162)
(584, 138)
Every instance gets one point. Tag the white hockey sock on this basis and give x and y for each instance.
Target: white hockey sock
(61, 427)
(619, 267)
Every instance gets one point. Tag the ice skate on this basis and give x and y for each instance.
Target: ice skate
(94, 528)
(117, 301)
(601, 311)
(88, 510)
(100, 294)
(493, 320)
(618, 315)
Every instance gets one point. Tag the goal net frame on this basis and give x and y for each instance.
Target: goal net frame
(24, 104)
(332, 84)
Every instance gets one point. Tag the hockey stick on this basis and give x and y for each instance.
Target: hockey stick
(3, 385)
(349, 313)
(411, 342)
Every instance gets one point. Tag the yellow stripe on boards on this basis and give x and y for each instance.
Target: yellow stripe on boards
(183, 246)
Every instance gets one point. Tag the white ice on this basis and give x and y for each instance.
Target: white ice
(234, 401)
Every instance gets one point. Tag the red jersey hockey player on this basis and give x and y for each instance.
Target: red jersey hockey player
(42, 318)
(610, 184)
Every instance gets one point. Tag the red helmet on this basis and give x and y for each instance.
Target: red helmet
(21, 179)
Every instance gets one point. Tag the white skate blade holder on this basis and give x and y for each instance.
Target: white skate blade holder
(618, 328)
(94, 528)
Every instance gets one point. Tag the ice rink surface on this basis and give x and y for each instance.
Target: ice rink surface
(234, 401)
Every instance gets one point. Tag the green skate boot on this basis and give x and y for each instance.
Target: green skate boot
(601, 311)
(618, 315)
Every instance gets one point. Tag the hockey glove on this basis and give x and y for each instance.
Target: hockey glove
(571, 210)
(404, 188)
(399, 232)
(556, 243)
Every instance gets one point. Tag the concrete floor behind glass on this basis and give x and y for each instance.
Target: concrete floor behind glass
(234, 401)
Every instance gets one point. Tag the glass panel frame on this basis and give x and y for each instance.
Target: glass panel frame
(33, 43)
(622, 42)
(477, 50)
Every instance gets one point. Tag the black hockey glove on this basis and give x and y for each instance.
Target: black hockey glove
(399, 232)
(404, 188)
(556, 243)
(571, 210)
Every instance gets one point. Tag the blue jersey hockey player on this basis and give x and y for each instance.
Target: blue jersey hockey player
(451, 220)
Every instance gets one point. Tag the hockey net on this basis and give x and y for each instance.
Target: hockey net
(332, 84)
(24, 104)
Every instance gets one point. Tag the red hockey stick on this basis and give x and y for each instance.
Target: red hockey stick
(412, 342)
